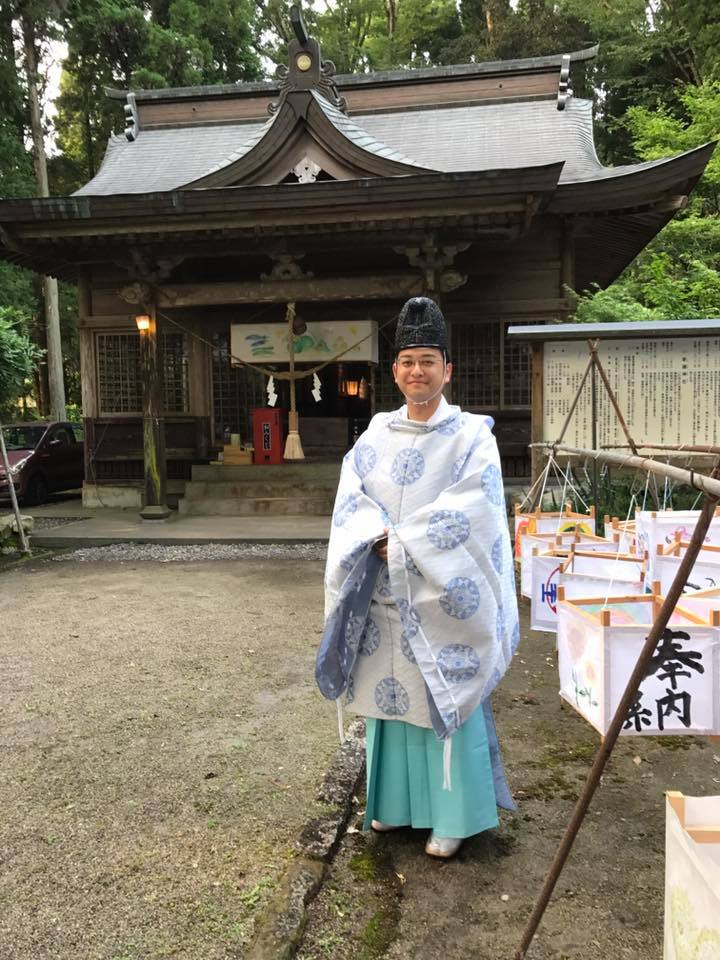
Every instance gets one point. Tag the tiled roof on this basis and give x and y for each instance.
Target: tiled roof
(445, 139)
(361, 136)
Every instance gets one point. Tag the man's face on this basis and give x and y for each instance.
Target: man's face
(421, 373)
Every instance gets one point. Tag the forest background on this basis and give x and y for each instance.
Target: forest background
(655, 85)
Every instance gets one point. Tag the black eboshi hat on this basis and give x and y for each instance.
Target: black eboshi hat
(421, 324)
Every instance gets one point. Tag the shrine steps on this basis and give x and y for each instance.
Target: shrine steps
(294, 489)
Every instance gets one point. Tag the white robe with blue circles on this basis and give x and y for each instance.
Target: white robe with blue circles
(443, 623)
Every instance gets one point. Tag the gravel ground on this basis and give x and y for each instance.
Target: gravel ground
(47, 523)
(162, 741)
(160, 553)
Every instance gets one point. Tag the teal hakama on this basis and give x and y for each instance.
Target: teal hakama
(405, 778)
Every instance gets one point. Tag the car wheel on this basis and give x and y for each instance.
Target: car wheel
(37, 490)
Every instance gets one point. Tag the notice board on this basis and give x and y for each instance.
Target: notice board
(668, 390)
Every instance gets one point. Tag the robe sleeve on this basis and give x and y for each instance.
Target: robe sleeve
(357, 522)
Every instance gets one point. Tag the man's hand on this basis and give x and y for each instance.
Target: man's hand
(380, 547)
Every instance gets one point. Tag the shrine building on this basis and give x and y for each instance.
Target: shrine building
(477, 184)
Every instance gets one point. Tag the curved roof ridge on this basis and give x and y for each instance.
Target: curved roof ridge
(357, 135)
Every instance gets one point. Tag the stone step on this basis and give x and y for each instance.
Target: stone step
(300, 471)
(259, 506)
(249, 490)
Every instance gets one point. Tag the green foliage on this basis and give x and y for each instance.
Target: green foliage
(678, 275)
(18, 358)
(132, 44)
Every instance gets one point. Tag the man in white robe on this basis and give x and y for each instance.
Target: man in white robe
(420, 599)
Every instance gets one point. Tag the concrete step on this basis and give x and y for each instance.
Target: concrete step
(258, 506)
(256, 489)
(301, 471)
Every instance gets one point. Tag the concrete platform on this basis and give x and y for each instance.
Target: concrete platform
(76, 526)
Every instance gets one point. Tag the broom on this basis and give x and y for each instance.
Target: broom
(293, 446)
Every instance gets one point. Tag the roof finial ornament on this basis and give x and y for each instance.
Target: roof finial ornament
(306, 69)
(564, 88)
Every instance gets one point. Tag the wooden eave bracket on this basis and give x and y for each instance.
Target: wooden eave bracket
(433, 259)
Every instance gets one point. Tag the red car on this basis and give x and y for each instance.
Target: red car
(44, 457)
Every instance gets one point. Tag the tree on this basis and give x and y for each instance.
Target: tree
(678, 275)
(18, 359)
(136, 44)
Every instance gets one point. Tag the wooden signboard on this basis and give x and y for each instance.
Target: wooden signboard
(668, 390)
(264, 343)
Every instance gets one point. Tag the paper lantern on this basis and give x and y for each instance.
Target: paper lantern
(700, 602)
(558, 522)
(705, 573)
(665, 526)
(550, 541)
(604, 573)
(598, 646)
(692, 877)
(624, 530)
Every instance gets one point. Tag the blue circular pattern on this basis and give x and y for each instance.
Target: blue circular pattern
(370, 640)
(497, 554)
(354, 631)
(365, 459)
(405, 647)
(449, 427)
(411, 565)
(456, 471)
(491, 484)
(448, 529)
(409, 616)
(382, 584)
(458, 662)
(345, 508)
(391, 697)
(407, 467)
(460, 598)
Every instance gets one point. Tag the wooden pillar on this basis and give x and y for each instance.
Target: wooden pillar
(89, 399)
(567, 261)
(155, 466)
(536, 407)
(200, 388)
(199, 374)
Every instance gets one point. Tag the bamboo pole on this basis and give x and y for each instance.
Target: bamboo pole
(679, 448)
(24, 546)
(616, 724)
(700, 481)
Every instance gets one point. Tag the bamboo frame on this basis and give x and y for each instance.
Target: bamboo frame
(699, 481)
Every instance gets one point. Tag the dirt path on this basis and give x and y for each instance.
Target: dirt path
(385, 898)
(162, 740)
